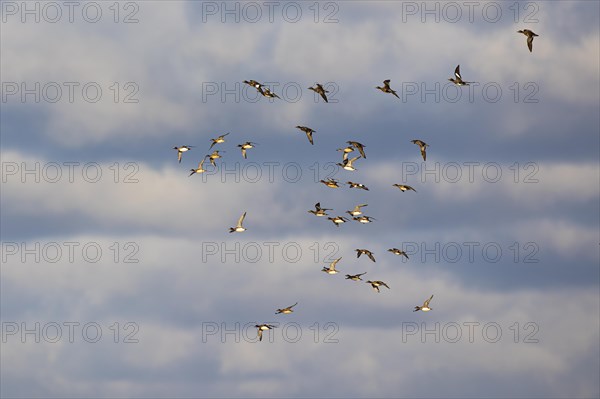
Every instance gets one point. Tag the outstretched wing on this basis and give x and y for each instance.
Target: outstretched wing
(426, 303)
(457, 72)
(241, 220)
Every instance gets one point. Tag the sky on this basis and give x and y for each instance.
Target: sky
(119, 277)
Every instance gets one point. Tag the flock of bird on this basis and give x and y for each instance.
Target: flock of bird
(347, 163)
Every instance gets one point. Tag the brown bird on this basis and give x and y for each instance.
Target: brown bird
(386, 88)
(377, 283)
(404, 187)
(286, 310)
(399, 252)
(423, 146)
(360, 252)
(320, 90)
(355, 277)
(530, 35)
(425, 307)
(360, 147)
(309, 132)
(331, 183)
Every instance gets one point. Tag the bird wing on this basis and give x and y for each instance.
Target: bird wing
(310, 138)
(179, 156)
(457, 72)
(423, 153)
(530, 43)
(241, 220)
(426, 303)
(332, 265)
(361, 150)
(322, 93)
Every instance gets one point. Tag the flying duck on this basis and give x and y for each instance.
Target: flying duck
(404, 187)
(218, 140)
(331, 268)
(360, 147)
(356, 211)
(530, 35)
(458, 81)
(263, 327)
(267, 93)
(386, 88)
(360, 252)
(363, 219)
(347, 163)
(355, 277)
(376, 284)
(425, 307)
(423, 146)
(213, 156)
(309, 132)
(181, 150)
(200, 168)
(331, 183)
(286, 310)
(319, 211)
(338, 220)
(246, 146)
(398, 252)
(320, 90)
(238, 228)
(357, 185)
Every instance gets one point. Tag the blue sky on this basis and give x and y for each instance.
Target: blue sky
(108, 228)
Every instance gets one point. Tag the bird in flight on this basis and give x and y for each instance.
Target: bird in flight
(356, 211)
(218, 140)
(425, 307)
(181, 150)
(309, 132)
(320, 90)
(360, 252)
(530, 35)
(404, 187)
(330, 182)
(363, 219)
(319, 211)
(261, 328)
(360, 147)
(215, 155)
(200, 168)
(246, 146)
(331, 268)
(238, 228)
(268, 93)
(423, 146)
(458, 79)
(376, 284)
(357, 185)
(346, 164)
(355, 277)
(338, 220)
(386, 88)
(286, 310)
(398, 252)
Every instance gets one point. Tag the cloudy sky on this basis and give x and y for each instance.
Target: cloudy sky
(119, 277)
